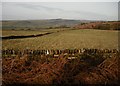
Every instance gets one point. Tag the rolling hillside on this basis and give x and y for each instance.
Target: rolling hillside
(39, 24)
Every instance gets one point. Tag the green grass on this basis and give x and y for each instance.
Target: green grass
(99, 39)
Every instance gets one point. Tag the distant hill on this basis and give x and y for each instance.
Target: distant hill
(40, 24)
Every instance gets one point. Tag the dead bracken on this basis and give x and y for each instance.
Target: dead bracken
(89, 67)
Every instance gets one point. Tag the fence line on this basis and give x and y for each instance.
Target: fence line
(47, 52)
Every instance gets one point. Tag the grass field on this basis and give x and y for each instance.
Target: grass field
(26, 32)
(19, 33)
(88, 38)
(86, 68)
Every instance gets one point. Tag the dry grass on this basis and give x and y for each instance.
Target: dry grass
(20, 33)
(99, 39)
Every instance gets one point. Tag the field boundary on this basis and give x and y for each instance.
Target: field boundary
(27, 36)
(55, 53)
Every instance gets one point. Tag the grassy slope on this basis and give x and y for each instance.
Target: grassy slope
(68, 39)
(25, 24)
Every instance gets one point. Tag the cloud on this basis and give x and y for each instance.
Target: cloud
(56, 10)
(38, 7)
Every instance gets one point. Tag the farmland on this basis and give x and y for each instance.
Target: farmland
(88, 38)
(65, 43)
(26, 32)
(23, 33)
(66, 56)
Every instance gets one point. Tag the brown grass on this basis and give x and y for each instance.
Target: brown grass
(99, 39)
(61, 70)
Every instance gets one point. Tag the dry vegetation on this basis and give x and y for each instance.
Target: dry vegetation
(20, 33)
(88, 68)
(27, 32)
(113, 25)
(68, 39)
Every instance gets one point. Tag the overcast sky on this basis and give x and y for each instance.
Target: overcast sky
(64, 10)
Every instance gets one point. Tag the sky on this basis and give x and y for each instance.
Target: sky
(65, 10)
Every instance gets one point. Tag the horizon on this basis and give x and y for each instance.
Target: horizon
(55, 19)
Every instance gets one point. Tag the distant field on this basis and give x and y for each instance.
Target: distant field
(65, 39)
(19, 33)
(26, 32)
